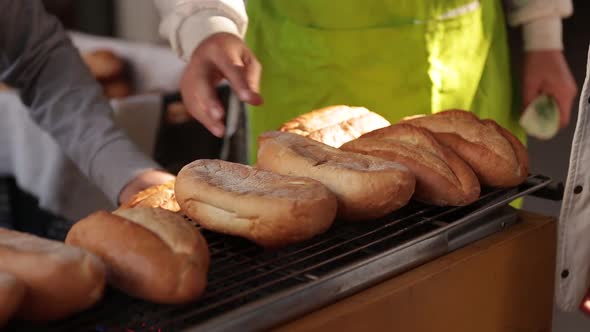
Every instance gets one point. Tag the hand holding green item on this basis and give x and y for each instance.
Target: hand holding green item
(541, 118)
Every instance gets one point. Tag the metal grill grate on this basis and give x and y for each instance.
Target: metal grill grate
(245, 281)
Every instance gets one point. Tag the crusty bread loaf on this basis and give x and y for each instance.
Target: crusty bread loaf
(60, 279)
(442, 177)
(160, 196)
(335, 125)
(366, 187)
(12, 293)
(498, 158)
(150, 253)
(270, 209)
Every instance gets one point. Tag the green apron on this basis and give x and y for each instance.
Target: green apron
(395, 57)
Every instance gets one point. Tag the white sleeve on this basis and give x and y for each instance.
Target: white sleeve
(540, 20)
(186, 23)
(573, 229)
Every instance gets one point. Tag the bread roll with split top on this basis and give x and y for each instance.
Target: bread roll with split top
(498, 158)
(442, 177)
(150, 253)
(269, 209)
(367, 187)
(60, 279)
(335, 125)
(159, 196)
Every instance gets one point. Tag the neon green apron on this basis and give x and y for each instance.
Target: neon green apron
(395, 57)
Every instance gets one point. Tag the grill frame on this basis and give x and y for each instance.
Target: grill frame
(311, 289)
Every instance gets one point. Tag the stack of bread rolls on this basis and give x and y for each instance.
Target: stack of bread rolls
(497, 157)
(335, 163)
(302, 182)
(450, 153)
(442, 177)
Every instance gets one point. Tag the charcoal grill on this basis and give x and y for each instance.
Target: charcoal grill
(252, 289)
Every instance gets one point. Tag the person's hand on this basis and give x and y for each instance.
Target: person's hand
(547, 72)
(220, 56)
(585, 305)
(143, 181)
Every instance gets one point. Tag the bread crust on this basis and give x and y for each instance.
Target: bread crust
(150, 253)
(267, 208)
(12, 293)
(335, 125)
(496, 156)
(60, 279)
(366, 187)
(442, 177)
(159, 196)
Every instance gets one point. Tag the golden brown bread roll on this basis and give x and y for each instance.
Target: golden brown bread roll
(60, 279)
(104, 64)
(335, 125)
(366, 187)
(160, 196)
(150, 253)
(12, 293)
(442, 177)
(498, 158)
(270, 209)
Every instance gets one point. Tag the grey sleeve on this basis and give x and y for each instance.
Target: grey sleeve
(37, 57)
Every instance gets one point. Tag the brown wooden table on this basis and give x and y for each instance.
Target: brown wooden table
(503, 283)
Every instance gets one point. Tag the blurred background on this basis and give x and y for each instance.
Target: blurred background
(137, 21)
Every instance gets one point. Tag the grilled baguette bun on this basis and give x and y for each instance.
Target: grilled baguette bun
(150, 253)
(498, 158)
(269, 209)
(335, 125)
(442, 177)
(12, 293)
(160, 196)
(60, 279)
(366, 187)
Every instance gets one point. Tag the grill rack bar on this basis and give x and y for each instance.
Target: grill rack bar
(274, 277)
